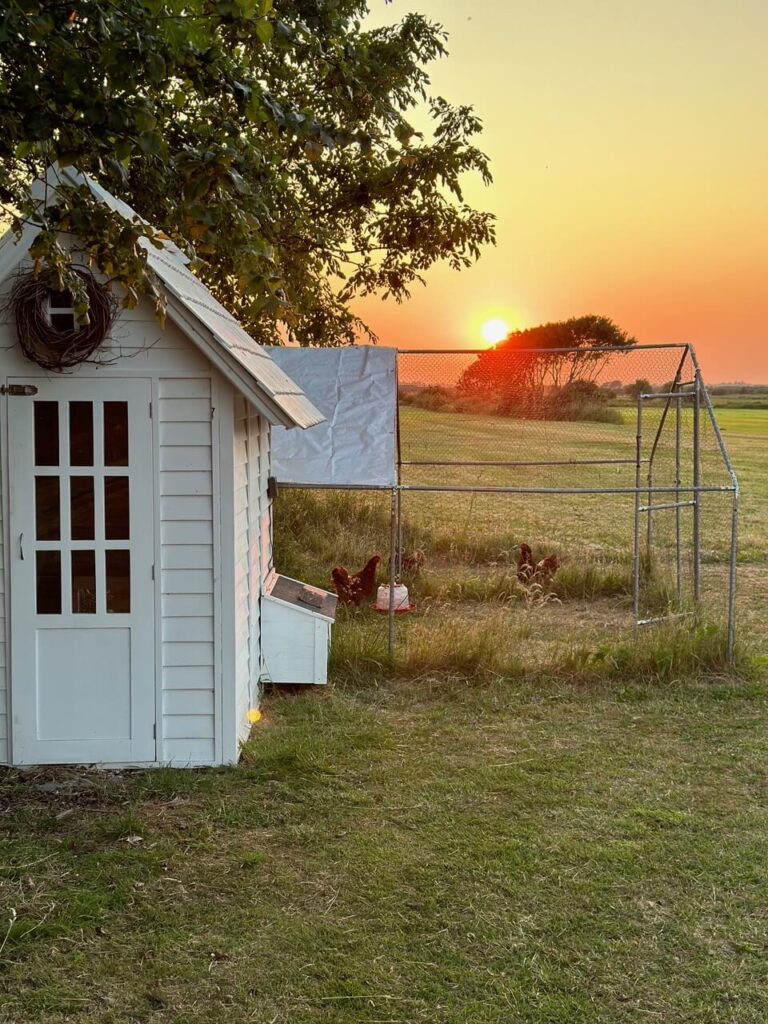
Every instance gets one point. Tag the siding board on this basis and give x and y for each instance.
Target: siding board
(184, 434)
(186, 457)
(188, 628)
(199, 507)
(181, 605)
(180, 531)
(182, 752)
(187, 556)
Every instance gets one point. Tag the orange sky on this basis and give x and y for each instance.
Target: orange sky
(629, 150)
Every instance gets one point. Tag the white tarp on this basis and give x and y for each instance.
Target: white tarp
(356, 390)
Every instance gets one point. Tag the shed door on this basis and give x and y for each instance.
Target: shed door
(82, 596)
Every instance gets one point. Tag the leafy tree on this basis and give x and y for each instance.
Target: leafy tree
(639, 387)
(269, 139)
(532, 360)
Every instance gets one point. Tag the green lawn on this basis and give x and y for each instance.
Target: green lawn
(470, 842)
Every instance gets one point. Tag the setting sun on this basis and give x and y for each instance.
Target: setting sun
(494, 331)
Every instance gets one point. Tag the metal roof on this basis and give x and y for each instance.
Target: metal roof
(200, 316)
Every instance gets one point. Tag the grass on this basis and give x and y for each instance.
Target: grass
(516, 821)
(437, 852)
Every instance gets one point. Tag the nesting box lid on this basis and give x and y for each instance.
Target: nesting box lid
(301, 595)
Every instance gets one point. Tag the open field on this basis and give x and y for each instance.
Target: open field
(526, 824)
(469, 588)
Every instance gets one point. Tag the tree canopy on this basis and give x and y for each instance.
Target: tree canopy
(533, 359)
(269, 138)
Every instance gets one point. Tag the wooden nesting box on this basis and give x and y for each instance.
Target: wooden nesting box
(297, 621)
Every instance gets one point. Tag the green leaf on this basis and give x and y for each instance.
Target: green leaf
(156, 66)
(151, 143)
(144, 119)
(264, 30)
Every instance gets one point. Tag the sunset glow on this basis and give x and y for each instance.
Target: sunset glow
(629, 174)
(494, 331)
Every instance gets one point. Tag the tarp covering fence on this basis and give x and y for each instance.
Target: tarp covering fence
(356, 390)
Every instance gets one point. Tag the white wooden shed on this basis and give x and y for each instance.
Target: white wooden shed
(136, 540)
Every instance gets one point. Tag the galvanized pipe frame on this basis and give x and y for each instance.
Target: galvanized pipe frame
(675, 395)
(736, 491)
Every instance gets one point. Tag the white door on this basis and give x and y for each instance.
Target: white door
(81, 548)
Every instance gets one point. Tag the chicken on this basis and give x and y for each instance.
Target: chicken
(525, 565)
(414, 562)
(547, 566)
(528, 570)
(355, 588)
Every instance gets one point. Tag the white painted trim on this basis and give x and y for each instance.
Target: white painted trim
(158, 555)
(224, 570)
(6, 505)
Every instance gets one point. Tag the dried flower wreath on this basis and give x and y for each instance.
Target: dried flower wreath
(44, 344)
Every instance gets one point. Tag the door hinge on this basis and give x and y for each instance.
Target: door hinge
(153, 572)
(154, 731)
(150, 410)
(18, 390)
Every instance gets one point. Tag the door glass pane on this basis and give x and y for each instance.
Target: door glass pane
(116, 508)
(47, 510)
(81, 507)
(118, 581)
(115, 433)
(83, 582)
(46, 433)
(81, 433)
(48, 582)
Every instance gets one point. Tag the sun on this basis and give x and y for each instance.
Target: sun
(494, 331)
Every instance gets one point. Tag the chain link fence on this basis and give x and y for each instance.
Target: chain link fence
(608, 461)
(546, 501)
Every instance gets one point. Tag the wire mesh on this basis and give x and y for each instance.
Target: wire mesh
(607, 465)
(608, 460)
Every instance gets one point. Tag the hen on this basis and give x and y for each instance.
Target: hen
(528, 570)
(354, 588)
(525, 564)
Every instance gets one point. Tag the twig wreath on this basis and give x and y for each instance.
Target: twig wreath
(44, 344)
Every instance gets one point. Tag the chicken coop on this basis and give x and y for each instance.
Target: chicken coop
(140, 597)
(606, 463)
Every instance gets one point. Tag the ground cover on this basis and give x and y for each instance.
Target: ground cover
(536, 829)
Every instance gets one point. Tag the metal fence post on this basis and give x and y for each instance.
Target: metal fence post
(678, 510)
(393, 514)
(696, 485)
(636, 549)
(732, 576)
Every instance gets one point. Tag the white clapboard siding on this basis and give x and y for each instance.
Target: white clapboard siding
(261, 513)
(187, 571)
(252, 553)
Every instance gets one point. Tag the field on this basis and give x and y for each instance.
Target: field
(517, 821)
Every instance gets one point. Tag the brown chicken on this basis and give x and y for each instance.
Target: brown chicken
(525, 564)
(528, 570)
(547, 566)
(354, 588)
